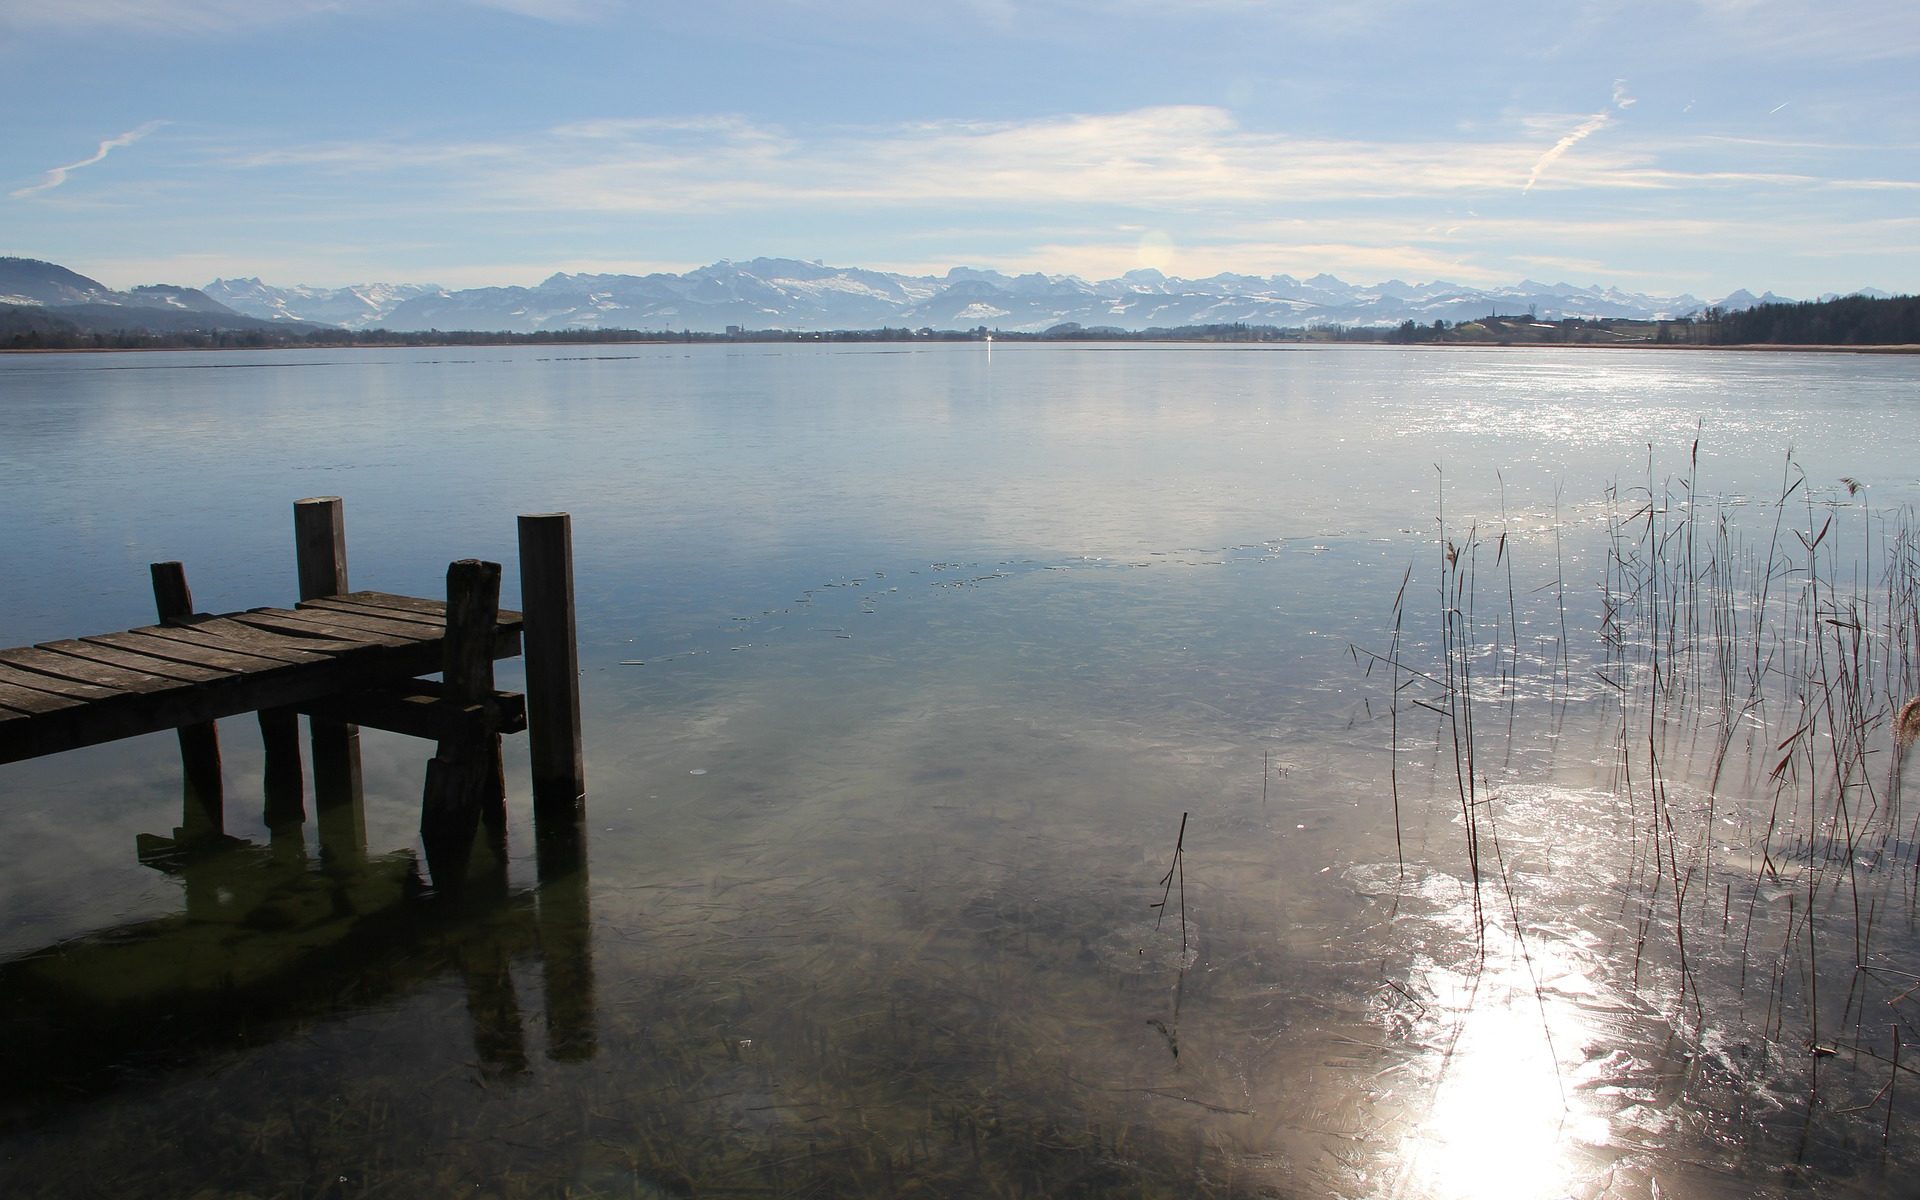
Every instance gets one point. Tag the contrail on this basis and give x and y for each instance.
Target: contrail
(1565, 144)
(58, 175)
(1586, 128)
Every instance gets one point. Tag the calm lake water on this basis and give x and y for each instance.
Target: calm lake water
(1078, 770)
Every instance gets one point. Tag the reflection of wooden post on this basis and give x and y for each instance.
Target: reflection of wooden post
(553, 665)
(493, 1007)
(465, 772)
(320, 548)
(202, 802)
(566, 940)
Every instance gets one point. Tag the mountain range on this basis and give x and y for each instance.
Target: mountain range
(789, 294)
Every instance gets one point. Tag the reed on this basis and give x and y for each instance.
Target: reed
(1753, 675)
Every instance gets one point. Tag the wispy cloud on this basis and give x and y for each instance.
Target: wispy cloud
(58, 175)
(1165, 161)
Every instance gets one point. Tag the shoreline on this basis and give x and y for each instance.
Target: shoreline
(1743, 347)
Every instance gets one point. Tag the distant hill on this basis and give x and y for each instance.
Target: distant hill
(124, 318)
(77, 304)
(185, 299)
(30, 281)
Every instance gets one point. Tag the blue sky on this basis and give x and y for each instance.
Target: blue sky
(1684, 146)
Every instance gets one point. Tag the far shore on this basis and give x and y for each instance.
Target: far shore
(1014, 340)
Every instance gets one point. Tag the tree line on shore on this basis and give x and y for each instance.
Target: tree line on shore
(1846, 321)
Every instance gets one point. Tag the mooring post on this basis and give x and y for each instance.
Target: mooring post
(320, 552)
(553, 666)
(464, 773)
(320, 546)
(203, 799)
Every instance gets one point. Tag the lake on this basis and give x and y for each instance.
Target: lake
(1014, 770)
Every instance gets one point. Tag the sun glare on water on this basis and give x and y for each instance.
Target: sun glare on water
(1506, 1121)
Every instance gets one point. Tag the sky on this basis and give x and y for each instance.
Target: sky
(1686, 146)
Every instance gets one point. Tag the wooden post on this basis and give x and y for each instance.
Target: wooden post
(320, 553)
(463, 773)
(320, 546)
(285, 785)
(203, 799)
(553, 665)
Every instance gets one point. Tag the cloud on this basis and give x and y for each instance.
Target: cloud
(1173, 157)
(58, 175)
(1154, 163)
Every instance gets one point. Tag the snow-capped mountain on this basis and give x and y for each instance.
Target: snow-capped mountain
(790, 294)
(362, 306)
(784, 293)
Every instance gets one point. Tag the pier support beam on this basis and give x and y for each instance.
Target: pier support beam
(553, 666)
(464, 778)
(320, 551)
(203, 798)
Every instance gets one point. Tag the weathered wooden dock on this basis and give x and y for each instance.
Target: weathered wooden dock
(343, 658)
(200, 667)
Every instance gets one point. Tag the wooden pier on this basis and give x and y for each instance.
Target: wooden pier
(345, 659)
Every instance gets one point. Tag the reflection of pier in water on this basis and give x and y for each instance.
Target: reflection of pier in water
(271, 934)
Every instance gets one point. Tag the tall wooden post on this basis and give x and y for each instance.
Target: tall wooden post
(320, 546)
(465, 771)
(320, 552)
(203, 799)
(553, 666)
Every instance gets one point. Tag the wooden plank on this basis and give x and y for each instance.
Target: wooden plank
(370, 624)
(412, 604)
(133, 661)
(284, 621)
(60, 687)
(416, 604)
(143, 641)
(34, 702)
(193, 636)
(224, 695)
(250, 636)
(420, 708)
(432, 622)
(86, 670)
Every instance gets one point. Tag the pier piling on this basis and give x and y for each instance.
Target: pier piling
(553, 665)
